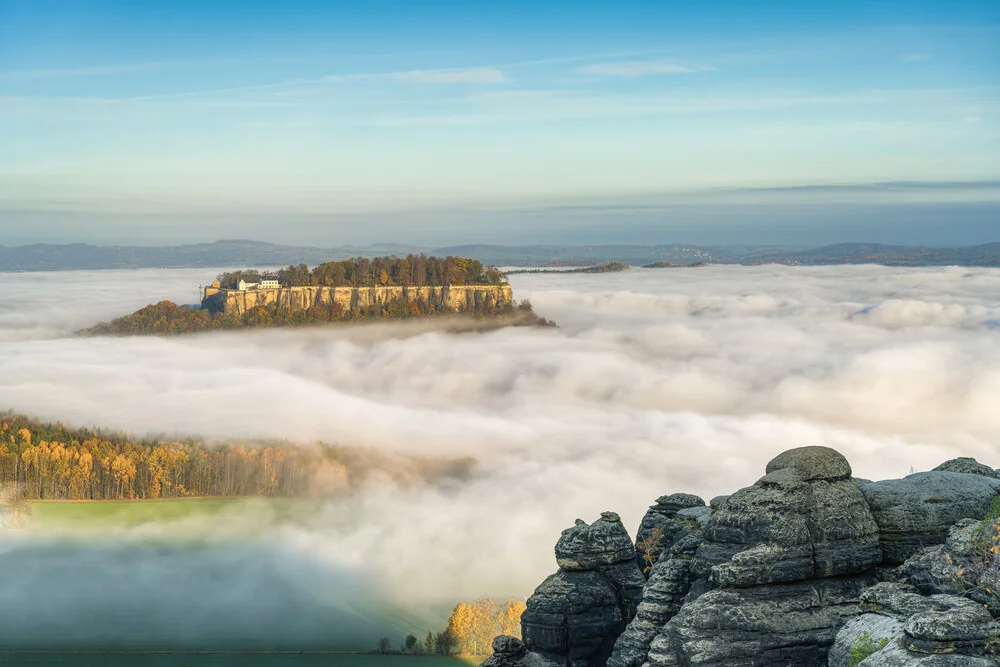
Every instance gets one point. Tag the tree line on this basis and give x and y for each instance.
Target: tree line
(51, 462)
(412, 270)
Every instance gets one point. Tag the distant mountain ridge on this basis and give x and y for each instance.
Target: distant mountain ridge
(246, 253)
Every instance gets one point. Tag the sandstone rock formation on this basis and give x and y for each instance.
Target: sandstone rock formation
(669, 582)
(969, 466)
(783, 572)
(918, 510)
(663, 517)
(450, 298)
(951, 568)
(906, 629)
(511, 652)
(576, 614)
(782, 563)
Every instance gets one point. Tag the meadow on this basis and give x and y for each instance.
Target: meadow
(126, 514)
(235, 659)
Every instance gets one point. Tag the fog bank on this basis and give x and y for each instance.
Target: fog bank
(656, 381)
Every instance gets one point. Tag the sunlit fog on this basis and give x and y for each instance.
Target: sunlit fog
(655, 382)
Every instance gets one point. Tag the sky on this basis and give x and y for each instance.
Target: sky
(501, 122)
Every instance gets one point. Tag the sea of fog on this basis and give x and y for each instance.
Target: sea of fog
(655, 381)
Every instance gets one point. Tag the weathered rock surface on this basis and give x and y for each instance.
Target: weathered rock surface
(574, 617)
(450, 298)
(921, 630)
(784, 572)
(589, 547)
(968, 466)
(917, 511)
(795, 523)
(811, 463)
(663, 516)
(662, 597)
(779, 624)
(510, 652)
(960, 566)
(787, 558)
(876, 627)
(896, 655)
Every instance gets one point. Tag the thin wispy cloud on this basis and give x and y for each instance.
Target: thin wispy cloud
(101, 70)
(471, 75)
(638, 68)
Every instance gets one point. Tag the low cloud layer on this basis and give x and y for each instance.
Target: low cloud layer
(657, 381)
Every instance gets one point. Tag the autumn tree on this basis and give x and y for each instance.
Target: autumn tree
(473, 626)
(51, 462)
(649, 548)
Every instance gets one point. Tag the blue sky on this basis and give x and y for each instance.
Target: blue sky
(336, 122)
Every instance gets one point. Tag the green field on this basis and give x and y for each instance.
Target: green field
(182, 513)
(129, 659)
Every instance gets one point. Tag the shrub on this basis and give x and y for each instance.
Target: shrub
(864, 646)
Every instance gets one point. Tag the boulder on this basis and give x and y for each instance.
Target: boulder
(511, 652)
(963, 627)
(794, 524)
(968, 466)
(663, 516)
(589, 547)
(918, 510)
(811, 463)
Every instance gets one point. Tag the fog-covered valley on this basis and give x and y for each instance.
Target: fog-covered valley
(656, 381)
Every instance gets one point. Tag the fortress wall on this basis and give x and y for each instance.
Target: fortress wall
(453, 298)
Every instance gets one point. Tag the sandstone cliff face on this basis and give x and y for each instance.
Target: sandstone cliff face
(449, 298)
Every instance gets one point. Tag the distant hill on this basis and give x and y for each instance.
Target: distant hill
(890, 255)
(245, 253)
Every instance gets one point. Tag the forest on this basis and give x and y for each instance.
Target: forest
(167, 318)
(415, 270)
(53, 462)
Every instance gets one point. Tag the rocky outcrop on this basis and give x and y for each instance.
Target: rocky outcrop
(963, 565)
(511, 652)
(969, 466)
(662, 526)
(917, 511)
(446, 298)
(783, 572)
(778, 624)
(783, 563)
(662, 597)
(904, 628)
(575, 615)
